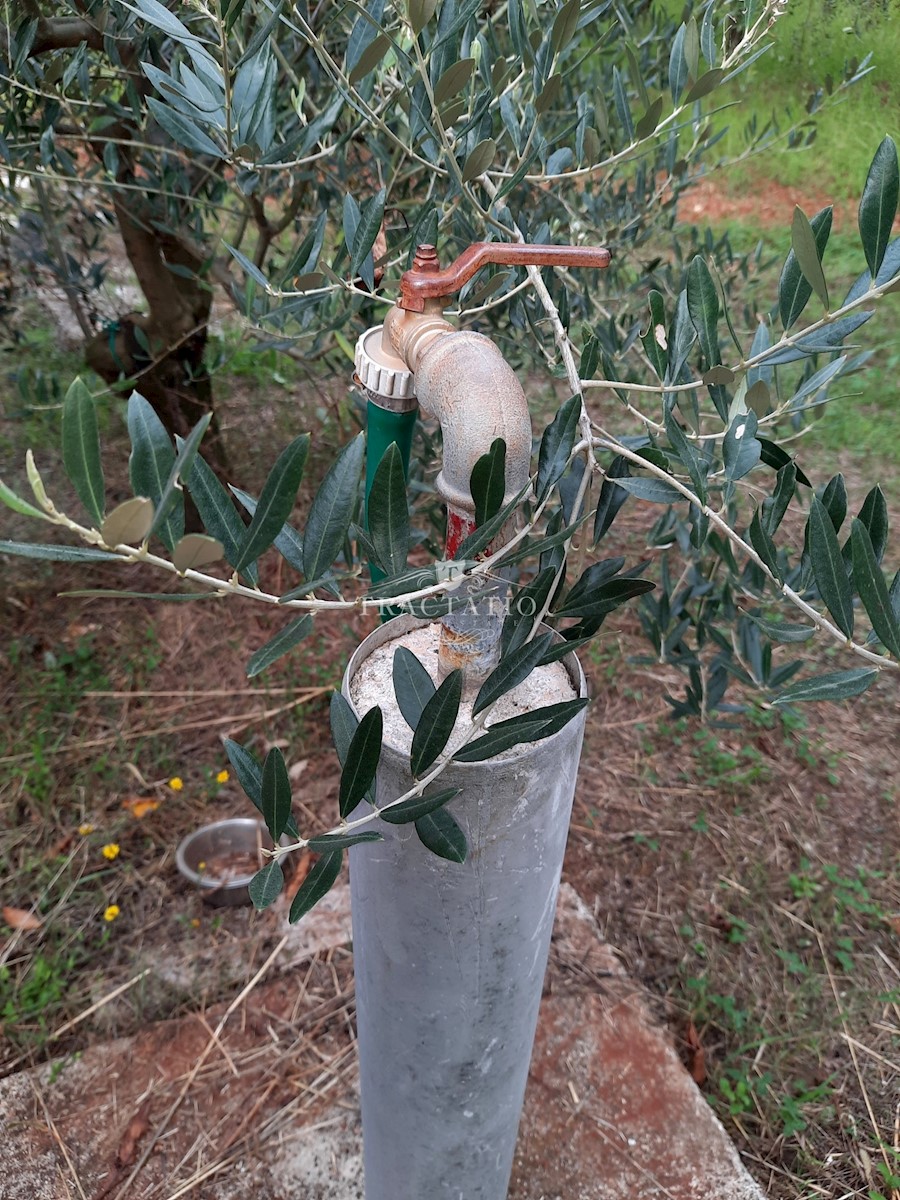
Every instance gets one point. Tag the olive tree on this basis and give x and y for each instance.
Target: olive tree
(263, 150)
(296, 157)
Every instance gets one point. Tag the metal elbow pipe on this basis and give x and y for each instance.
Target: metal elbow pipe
(462, 380)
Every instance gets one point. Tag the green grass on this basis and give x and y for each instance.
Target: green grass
(813, 41)
(863, 418)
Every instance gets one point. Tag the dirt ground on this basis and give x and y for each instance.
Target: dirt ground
(747, 877)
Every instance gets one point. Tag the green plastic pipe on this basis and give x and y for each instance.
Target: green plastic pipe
(384, 427)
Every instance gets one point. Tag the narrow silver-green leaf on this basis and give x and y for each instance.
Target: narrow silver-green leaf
(487, 482)
(288, 541)
(611, 497)
(894, 596)
(283, 642)
(793, 289)
(165, 597)
(17, 504)
(599, 601)
(249, 776)
(413, 686)
(655, 490)
(763, 545)
(482, 537)
(741, 450)
(436, 723)
(453, 80)
(342, 841)
(371, 216)
(525, 608)
(387, 512)
(275, 502)
(623, 109)
(646, 125)
(184, 460)
(81, 449)
(265, 886)
(873, 590)
(150, 464)
(828, 567)
(532, 726)
(420, 13)
(775, 506)
(57, 553)
(182, 129)
(251, 269)
(806, 252)
(317, 884)
(332, 510)
(556, 445)
(878, 206)
(565, 25)
(690, 459)
(678, 67)
(361, 761)
(370, 58)
(783, 631)
(512, 669)
(874, 515)
(219, 516)
(343, 725)
(708, 82)
(703, 306)
(479, 160)
(836, 685)
(275, 794)
(439, 833)
(418, 806)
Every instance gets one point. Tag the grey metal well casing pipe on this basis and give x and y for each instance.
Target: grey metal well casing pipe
(449, 962)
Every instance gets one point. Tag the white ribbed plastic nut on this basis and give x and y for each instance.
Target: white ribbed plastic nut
(375, 375)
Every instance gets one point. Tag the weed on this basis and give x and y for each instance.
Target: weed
(791, 1107)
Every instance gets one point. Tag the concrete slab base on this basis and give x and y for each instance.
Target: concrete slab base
(610, 1112)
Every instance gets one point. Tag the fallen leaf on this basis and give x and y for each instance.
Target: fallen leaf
(139, 806)
(137, 1127)
(20, 918)
(696, 1055)
(894, 923)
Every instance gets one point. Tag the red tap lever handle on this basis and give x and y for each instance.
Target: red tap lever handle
(426, 280)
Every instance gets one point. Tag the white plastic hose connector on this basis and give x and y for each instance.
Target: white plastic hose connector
(380, 372)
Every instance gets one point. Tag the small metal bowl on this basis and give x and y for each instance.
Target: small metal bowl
(203, 858)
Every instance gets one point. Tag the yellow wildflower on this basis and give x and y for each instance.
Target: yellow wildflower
(85, 829)
(110, 850)
(222, 777)
(111, 912)
(176, 783)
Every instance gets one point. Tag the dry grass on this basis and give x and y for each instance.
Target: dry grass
(750, 878)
